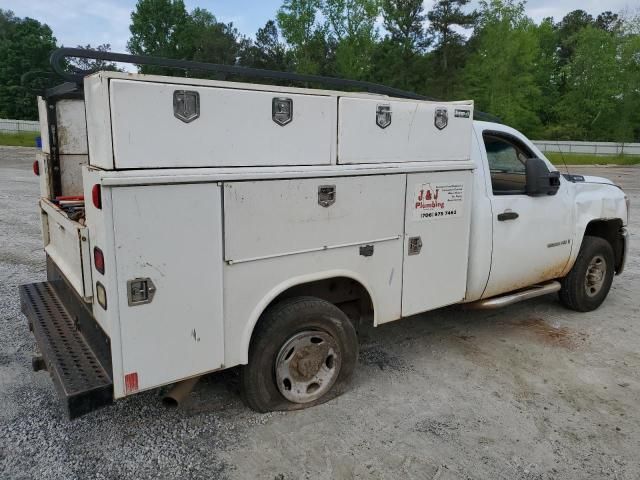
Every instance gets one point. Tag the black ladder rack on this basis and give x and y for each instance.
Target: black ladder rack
(60, 66)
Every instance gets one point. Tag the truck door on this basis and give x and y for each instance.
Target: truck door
(531, 235)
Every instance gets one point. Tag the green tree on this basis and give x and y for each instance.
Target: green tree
(88, 64)
(589, 108)
(352, 25)
(308, 41)
(155, 28)
(500, 74)
(266, 51)
(25, 45)
(398, 60)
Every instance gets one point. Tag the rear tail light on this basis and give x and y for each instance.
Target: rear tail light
(96, 196)
(36, 168)
(98, 260)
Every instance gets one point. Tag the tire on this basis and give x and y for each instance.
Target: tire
(303, 353)
(587, 284)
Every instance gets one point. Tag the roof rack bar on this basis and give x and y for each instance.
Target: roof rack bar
(61, 67)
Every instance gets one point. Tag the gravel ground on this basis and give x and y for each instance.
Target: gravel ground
(529, 392)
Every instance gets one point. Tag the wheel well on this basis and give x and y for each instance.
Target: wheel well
(347, 294)
(608, 230)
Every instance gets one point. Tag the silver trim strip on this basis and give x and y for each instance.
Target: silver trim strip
(317, 249)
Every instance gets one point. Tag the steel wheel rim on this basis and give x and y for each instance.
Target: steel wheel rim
(307, 366)
(596, 273)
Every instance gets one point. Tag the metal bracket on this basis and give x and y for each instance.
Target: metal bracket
(326, 195)
(415, 245)
(140, 291)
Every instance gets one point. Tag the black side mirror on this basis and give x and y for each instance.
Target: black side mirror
(540, 180)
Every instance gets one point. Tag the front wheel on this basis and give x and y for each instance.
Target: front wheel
(588, 283)
(303, 353)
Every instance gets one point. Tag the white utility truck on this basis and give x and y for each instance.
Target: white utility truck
(195, 225)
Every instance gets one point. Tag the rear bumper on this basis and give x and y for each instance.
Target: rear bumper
(69, 349)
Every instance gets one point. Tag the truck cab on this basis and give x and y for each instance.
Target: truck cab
(196, 225)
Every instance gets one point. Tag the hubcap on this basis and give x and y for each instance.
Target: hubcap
(307, 366)
(596, 272)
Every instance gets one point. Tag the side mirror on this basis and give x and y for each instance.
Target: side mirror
(540, 180)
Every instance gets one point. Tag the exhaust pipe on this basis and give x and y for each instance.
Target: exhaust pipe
(179, 392)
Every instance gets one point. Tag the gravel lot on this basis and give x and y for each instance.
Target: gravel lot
(530, 392)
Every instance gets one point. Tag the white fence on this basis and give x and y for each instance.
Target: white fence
(14, 126)
(594, 148)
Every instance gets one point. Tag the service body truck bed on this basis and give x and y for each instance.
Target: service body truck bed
(213, 210)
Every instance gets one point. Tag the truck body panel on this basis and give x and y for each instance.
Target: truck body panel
(393, 201)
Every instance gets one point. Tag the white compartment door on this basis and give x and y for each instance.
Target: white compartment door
(436, 248)
(233, 128)
(382, 130)
(171, 235)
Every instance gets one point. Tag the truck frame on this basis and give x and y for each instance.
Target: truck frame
(193, 225)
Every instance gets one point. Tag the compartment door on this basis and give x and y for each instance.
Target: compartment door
(228, 127)
(436, 248)
(170, 236)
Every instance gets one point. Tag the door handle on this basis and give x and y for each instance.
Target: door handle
(507, 216)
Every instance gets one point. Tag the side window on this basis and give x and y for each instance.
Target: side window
(506, 159)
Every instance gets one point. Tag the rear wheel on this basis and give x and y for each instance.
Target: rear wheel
(588, 283)
(303, 353)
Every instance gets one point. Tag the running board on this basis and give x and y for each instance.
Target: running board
(515, 297)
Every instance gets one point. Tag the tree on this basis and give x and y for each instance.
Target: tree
(588, 108)
(398, 60)
(25, 46)
(608, 21)
(449, 44)
(164, 28)
(88, 64)
(572, 23)
(500, 74)
(352, 25)
(404, 20)
(155, 28)
(308, 42)
(266, 51)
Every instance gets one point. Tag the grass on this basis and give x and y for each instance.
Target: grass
(19, 139)
(587, 159)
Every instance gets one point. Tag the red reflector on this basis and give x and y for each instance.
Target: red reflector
(131, 382)
(96, 196)
(36, 168)
(98, 259)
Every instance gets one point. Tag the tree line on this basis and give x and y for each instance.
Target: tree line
(577, 78)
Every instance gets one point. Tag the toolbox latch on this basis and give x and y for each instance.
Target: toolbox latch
(326, 195)
(415, 245)
(140, 291)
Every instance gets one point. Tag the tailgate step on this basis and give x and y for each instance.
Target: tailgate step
(82, 382)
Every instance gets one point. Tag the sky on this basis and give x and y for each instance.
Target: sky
(82, 22)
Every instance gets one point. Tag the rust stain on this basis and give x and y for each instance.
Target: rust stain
(551, 335)
(551, 272)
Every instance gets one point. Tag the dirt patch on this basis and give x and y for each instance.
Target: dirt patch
(550, 334)
(374, 355)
